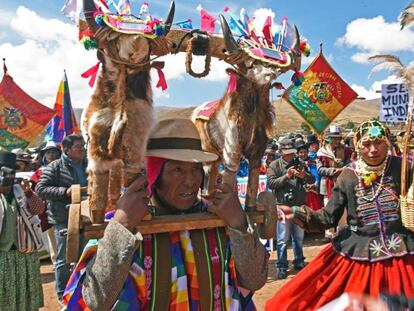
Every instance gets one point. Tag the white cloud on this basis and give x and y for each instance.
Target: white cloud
(31, 26)
(175, 67)
(5, 17)
(260, 16)
(375, 36)
(371, 93)
(49, 46)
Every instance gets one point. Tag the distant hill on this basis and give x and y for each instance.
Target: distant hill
(287, 119)
(164, 112)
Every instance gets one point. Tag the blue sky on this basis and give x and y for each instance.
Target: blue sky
(39, 42)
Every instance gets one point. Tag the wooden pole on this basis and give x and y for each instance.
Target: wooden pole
(171, 223)
(404, 162)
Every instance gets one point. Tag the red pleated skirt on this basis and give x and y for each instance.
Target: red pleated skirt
(329, 275)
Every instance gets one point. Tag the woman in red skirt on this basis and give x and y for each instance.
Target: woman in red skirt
(374, 253)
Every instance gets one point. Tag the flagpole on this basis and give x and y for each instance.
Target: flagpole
(320, 48)
(5, 67)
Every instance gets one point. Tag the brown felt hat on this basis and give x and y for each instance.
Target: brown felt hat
(177, 139)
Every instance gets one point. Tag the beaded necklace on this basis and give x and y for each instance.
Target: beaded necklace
(367, 175)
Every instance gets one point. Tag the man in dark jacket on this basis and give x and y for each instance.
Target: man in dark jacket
(55, 186)
(287, 177)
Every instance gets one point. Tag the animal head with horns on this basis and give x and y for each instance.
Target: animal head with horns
(125, 39)
(262, 57)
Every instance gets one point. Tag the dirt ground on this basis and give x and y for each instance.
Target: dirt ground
(312, 245)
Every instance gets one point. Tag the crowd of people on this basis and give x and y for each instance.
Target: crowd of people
(347, 187)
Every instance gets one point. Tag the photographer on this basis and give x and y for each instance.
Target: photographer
(20, 286)
(287, 177)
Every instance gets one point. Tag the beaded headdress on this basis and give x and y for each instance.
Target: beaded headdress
(371, 129)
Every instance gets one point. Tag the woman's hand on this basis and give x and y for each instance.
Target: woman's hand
(225, 204)
(132, 206)
(284, 212)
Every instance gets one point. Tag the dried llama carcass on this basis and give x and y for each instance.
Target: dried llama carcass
(242, 120)
(120, 115)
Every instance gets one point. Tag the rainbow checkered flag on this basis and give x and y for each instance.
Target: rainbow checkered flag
(322, 95)
(64, 123)
(22, 118)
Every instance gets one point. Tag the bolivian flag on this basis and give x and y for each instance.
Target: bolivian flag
(322, 95)
(22, 118)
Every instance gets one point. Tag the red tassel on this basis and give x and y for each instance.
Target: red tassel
(162, 83)
(232, 87)
(92, 73)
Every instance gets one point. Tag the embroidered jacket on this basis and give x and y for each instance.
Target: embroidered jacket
(374, 231)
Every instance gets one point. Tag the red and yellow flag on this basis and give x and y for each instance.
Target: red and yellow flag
(22, 118)
(322, 95)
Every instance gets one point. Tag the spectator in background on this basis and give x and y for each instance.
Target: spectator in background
(22, 160)
(313, 198)
(395, 149)
(55, 187)
(313, 144)
(48, 154)
(331, 161)
(20, 284)
(269, 157)
(286, 178)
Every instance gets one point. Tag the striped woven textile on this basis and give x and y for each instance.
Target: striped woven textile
(137, 293)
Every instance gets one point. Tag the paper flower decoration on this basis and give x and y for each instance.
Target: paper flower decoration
(368, 179)
(375, 132)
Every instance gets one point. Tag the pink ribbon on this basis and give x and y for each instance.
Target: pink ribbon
(162, 83)
(232, 87)
(92, 73)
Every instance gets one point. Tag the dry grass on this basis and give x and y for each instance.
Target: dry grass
(287, 119)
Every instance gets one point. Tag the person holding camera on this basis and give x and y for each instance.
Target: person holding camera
(20, 284)
(55, 187)
(287, 177)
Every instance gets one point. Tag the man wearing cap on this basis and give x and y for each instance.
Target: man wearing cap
(22, 160)
(20, 284)
(55, 186)
(287, 178)
(202, 269)
(49, 153)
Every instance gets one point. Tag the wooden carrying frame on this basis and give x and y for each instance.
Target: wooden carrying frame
(80, 221)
